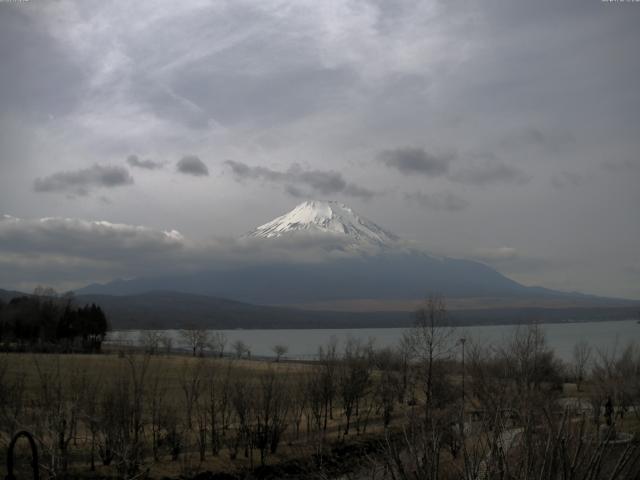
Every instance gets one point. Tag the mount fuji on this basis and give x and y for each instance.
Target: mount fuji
(373, 265)
(326, 218)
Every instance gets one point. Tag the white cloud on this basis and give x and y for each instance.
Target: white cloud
(70, 252)
(96, 239)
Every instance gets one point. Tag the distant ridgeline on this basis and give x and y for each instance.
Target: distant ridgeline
(46, 321)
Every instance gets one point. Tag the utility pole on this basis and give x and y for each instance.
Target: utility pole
(462, 436)
(462, 342)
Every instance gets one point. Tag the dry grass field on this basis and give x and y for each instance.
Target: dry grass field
(128, 414)
(179, 396)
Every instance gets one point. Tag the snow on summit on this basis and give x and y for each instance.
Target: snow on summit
(326, 218)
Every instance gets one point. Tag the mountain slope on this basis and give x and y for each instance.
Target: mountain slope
(387, 272)
(7, 295)
(385, 276)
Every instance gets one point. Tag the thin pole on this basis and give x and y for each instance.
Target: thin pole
(463, 340)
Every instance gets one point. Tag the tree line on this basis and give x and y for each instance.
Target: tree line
(46, 321)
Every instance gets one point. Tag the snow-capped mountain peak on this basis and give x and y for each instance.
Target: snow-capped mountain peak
(326, 217)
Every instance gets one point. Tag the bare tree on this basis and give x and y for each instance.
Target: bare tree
(197, 339)
(202, 412)
(243, 396)
(12, 391)
(166, 342)
(157, 400)
(270, 413)
(315, 386)
(240, 348)
(173, 431)
(130, 447)
(149, 340)
(299, 393)
(581, 357)
(423, 441)
(353, 379)
(406, 351)
(191, 383)
(218, 343)
(123, 416)
(280, 350)
(431, 342)
(389, 385)
(216, 405)
(60, 398)
(328, 359)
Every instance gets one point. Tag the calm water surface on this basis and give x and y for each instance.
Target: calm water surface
(304, 343)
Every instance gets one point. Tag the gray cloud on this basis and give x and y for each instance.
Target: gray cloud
(39, 75)
(353, 190)
(550, 140)
(417, 161)
(563, 179)
(325, 182)
(294, 191)
(192, 165)
(68, 252)
(490, 173)
(97, 239)
(242, 171)
(410, 161)
(446, 201)
(135, 161)
(296, 179)
(621, 165)
(79, 182)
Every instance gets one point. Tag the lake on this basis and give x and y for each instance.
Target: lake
(303, 344)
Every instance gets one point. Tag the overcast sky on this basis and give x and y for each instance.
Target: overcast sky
(507, 132)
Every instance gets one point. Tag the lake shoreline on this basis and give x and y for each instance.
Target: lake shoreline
(304, 343)
(409, 324)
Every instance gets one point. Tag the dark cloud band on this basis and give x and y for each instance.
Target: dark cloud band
(192, 165)
(80, 182)
(410, 161)
(299, 182)
(137, 162)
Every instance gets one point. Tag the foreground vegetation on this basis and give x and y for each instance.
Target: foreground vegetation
(419, 411)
